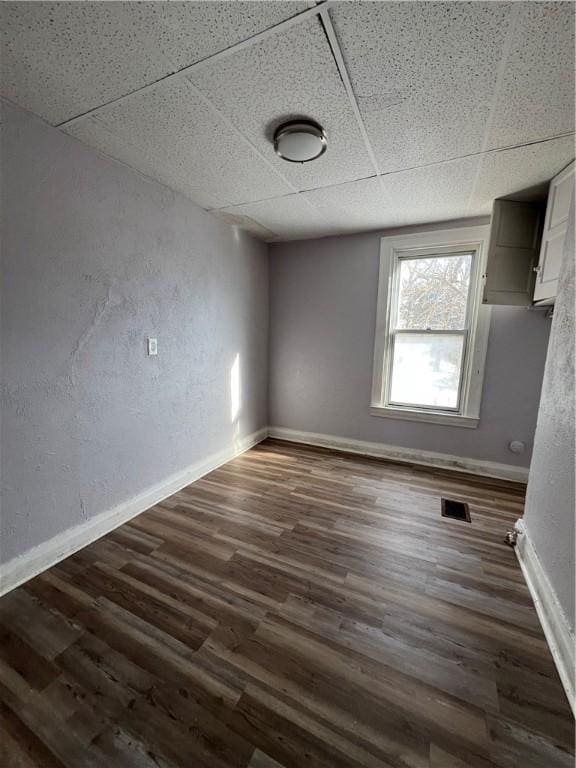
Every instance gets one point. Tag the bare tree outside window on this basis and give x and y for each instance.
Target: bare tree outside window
(434, 292)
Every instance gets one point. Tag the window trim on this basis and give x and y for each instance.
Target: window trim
(478, 320)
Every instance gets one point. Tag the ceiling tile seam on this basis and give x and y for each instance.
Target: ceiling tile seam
(259, 36)
(230, 124)
(299, 195)
(94, 112)
(482, 154)
(296, 192)
(330, 33)
(515, 12)
(182, 72)
(491, 151)
(341, 64)
(302, 191)
(531, 143)
(118, 132)
(172, 71)
(256, 202)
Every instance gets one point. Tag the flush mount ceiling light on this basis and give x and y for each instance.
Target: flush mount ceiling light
(300, 141)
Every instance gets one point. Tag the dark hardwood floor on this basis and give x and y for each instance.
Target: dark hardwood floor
(294, 608)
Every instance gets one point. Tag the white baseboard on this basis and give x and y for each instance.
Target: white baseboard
(396, 453)
(552, 618)
(38, 559)
(31, 563)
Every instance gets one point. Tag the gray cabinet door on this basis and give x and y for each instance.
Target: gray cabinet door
(513, 248)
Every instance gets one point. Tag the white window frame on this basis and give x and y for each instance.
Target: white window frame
(392, 249)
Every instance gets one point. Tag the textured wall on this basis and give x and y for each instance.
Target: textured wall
(550, 501)
(96, 258)
(323, 311)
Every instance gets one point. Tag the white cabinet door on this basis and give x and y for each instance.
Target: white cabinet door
(560, 198)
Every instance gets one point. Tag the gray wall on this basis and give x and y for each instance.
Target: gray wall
(323, 312)
(95, 258)
(550, 501)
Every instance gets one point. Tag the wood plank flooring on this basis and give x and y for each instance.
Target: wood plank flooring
(296, 608)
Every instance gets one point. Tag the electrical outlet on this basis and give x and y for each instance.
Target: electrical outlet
(152, 346)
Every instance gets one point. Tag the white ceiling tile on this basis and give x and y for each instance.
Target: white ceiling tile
(536, 99)
(173, 128)
(60, 60)
(288, 217)
(186, 32)
(433, 193)
(353, 207)
(423, 74)
(289, 75)
(510, 171)
(92, 131)
(96, 134)
(246, 223)
(417, 196)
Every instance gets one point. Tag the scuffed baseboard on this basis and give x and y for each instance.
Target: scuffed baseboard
(38, 559)
(552, 618)
(411, 455)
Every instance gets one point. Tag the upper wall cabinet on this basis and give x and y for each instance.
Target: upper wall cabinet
(560, 198)
(513, 247)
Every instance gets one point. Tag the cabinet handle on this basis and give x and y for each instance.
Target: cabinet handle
(537, 268)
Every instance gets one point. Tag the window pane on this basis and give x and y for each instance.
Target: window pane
(426, 369)
(433, 292)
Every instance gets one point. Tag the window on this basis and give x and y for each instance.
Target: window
(432, 330)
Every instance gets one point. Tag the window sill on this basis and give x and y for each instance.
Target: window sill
(430, 417)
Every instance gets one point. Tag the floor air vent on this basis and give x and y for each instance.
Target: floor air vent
(457, 510)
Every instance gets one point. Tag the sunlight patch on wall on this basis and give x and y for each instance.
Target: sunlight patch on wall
(235, 389)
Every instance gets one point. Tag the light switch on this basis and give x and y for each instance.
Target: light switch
(152, 346)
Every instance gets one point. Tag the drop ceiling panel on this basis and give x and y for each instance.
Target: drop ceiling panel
(288, 217)
(424, 75)
(417, 196)
(536, 98)
(160, 166)
(289, 75)
(186, 32)
(436, 83)
(510, 171)
(171, 126)
(434, 193)
(60, 60)
(353, 207)
(246, 223)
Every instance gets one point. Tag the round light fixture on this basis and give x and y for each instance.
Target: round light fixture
(300, 141)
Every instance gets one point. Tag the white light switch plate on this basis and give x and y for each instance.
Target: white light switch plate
(152, 346)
